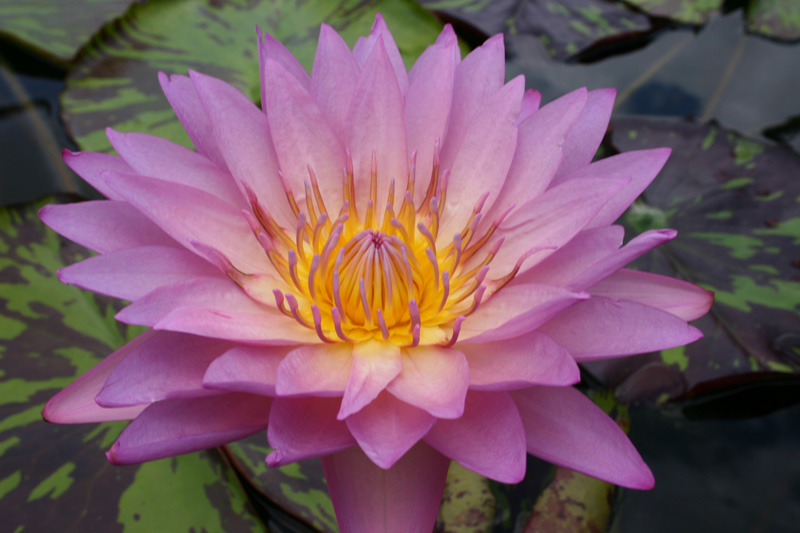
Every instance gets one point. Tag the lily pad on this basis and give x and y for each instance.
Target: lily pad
(54, 477)
(54, 27)
(778, 19)
(114, 80)
(565, 27)
(736, 205)
(695, 12)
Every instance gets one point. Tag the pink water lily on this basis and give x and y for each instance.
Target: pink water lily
(387, 269)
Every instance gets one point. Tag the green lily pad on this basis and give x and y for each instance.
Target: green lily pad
(56, 477)
(565, 27)
(778, 19)
(736, 205)
(54, 27)
(114, 80)
(696, 12)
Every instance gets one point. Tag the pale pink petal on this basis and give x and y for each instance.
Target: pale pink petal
(90, 166)
(403, 499)
(434, 379)
(168, 365)
(365, 46)
(155, 157)
(252, 369)
(320, 370)
(131, 273)
(639, 245)
(510, 313)
(489, 439)
(333, 79)
(375, 123)
(600, 328)
(104, 225)
(243, 136)
(186, 103)
(530, 104)
(375, 365)
(585, 137)
(387, 428)
(446, 40)
(585, 249)
(300, 428)
(530, 359)
(183, 425)
(564, 427)
(675, 296)
(301, 135)
(484, 156)
(189, 214)
(271, 48)
(75, 404)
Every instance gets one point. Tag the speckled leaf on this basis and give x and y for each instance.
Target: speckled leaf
(114, 81)
(55, 477)
(468, 505)
(565, 27)
(696, 12)
(779, 19)
(57, 28)
(736, 205)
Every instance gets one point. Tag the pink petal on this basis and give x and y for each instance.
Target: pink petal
(375, 123)
(530, 104)
(564, 427)
(434, 379)
(131, 273)
(675, 296)
(600, 328)
(189, 214)
(387, 428)
(155, 157)
(183, 425)
(89, 166)
(252, 369)
(489, 439)
(243, 136)
(403, 499)
(270, 48)
(531, 359)
(301, 135)
(168, 365)
(186, 103)
(300, 428)
(321, 370)
(375, 365)
(333, 79)
(75, 404)
(365, 46)
(512, 312)
(584, 139)
(104, 225)
(484, 156)
(447, 38)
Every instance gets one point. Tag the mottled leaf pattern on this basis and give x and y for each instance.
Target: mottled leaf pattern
(779, 19)
(736, 205)
(695, 12)
(468, 505)
(114, 81)
(54, 477)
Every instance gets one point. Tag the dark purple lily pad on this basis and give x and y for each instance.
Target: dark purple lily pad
(736, 205)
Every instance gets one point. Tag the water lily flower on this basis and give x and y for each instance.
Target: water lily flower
(389, 269)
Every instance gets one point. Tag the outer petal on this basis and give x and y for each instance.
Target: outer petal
(321, 370)
(601, 328)
(584, 139)
(403, 499)
(434, 379)
(387, 428)
(366, 46)
(173, 427)
(90, 166)
(271, 48)
(375, 365)
(252, 369)
(168, 365)
(300, 428)
(333, 79)
(530, 104)
(531, 359)
(104, 225)
(564, 427)
(489, 439)
(675, 296)
(75, 404)
(131, 273)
